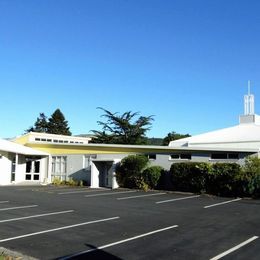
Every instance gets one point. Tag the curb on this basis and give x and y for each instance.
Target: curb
(13, 255)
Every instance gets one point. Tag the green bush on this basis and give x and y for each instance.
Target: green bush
(129, 171)
(224, 179)
(152, 175)
(71, 182)
(251, 177)
(190, 176)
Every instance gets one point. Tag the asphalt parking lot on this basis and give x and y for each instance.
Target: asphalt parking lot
(80, 223)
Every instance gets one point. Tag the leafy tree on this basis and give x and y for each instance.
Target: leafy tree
(57, 124)
(173, 136)
(41, 124)
(122, 129)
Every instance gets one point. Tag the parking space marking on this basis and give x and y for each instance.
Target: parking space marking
(182, 198)
(78, 191)
(222, 203)
(140, 196)
(119, 242)
(4, 201)
(109, 193)
(20, 207)
(57, 229)
(37, 216)
(234, 248)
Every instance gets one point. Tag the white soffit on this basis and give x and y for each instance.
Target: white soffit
(8, 146)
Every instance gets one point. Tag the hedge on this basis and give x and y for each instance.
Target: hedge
(151, 175)
(190, 176)
(222, 179)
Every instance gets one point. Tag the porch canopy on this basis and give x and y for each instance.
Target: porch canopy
(8, 146)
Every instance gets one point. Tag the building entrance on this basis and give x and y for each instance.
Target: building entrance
(32, 169)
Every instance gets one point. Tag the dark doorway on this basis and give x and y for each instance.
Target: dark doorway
(103, 168)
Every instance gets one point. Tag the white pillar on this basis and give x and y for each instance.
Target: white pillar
(114, 182)
(94, 178)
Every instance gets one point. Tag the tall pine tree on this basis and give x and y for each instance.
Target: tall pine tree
(57, 124)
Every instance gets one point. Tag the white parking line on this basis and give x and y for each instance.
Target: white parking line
(20, 207)
(36, 216)
(222, 203)
(57, 229)
(119, 242)
(5, 201)
(109, 193)
(234, 248)
(183, 198)
(78, 191)
(56, 189)
(140, 196)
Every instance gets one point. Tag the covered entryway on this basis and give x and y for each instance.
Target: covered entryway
(21, 164)
(103, 173)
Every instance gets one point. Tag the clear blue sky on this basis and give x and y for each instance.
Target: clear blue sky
(186, 62)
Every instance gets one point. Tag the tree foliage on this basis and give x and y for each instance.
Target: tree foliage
(134, 172)
(41, 124)
(173, 136)
(122, 129)
(56, 124)
(129, 170)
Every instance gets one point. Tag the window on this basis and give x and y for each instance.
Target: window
(37, 166)
(36, 177)
(87, 160)
(233, 156)
(186, 156)
(182, 156)
(151, 156)
(28, 166)
(225, 156)
(59, 164)
(28, 177)
(219, 156)
(174, 156)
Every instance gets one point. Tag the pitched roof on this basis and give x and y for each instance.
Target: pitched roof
(239, 136)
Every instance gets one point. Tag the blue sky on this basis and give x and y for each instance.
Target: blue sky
(186, 62)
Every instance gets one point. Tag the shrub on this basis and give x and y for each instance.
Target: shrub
(224, 179)
(251, 176)
(129, 170)
(152, 175)
(190, 176)
(57, 181)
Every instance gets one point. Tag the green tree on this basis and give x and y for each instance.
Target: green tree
(173, 136)
(40, 126)
(57, 124)
(122, 129)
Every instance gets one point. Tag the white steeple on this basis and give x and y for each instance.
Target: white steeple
(249, 109)
(249, 102)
